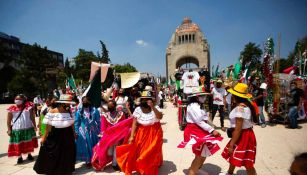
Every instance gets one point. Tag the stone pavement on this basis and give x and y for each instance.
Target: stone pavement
(275, 150)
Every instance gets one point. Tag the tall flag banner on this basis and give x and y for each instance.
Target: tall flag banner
(104, 70)
(217, 70)
(71, 83)
(237, 70)
(94, 90)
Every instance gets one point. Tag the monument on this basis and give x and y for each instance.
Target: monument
(187, 45)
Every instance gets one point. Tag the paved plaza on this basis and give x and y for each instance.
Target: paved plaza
(275, 150)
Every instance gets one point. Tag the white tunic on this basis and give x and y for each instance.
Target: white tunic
(59, 120)
(241, 112)
(190, 81)
(198, 116)
(146, 118)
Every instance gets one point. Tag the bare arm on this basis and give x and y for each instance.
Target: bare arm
(128, 109)
(8, 123)
(33, 118)
(158, 114)
(236, 133)
(133, 129)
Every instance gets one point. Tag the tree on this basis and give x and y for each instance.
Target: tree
(283, 64)
(67, 68)
(251, 54)
(301, 46)
(127, 67)
(83, 64)
(7, 72)
(105, 53)
(34, 62)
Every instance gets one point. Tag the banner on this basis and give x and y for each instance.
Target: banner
(104, 70)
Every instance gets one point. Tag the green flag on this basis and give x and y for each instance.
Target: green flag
(71, 83)
(237, 69)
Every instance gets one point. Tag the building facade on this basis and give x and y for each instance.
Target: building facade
(187, 45)
(13, 47)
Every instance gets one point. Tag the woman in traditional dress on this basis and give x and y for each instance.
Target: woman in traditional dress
(57, 154)
(198, 130)
(87, 129)
(241, 149)
(49, 105)
(122, 103)
(21, 128)
(143, 153)
(104, 152)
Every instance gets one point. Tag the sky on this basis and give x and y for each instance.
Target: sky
(138, 31)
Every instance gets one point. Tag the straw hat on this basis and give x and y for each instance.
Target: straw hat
(65, 98)
(148, 88)
(146, 94)
(240, 90)
(219, 81)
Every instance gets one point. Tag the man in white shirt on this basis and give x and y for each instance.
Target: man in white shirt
(219, 102)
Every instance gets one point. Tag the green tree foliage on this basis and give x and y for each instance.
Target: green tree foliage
(127, 67)
(83, 64)
(300, 47)
(32, 78)
(67, 67)
(251, 53)
(105, 53)
(5, 56)
(7, 72)
(283, 64)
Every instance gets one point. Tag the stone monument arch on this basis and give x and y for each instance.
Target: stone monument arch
(187, 45)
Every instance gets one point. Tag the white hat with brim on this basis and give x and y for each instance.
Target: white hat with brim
(199, 94)
(197, 91)
(65, 98)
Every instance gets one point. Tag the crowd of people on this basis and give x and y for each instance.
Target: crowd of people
(125, 130)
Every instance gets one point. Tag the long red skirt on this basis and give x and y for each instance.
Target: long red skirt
(244, 153)
(201, 138)
(144, 154)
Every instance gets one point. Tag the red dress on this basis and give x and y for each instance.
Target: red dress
(244, 153)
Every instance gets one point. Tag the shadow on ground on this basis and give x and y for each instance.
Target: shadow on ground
(3, 155)
(207, 168)
(167, 168)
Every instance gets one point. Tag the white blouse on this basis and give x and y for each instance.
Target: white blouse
(198, 116)
(241, 112)
(146, 118)
(24, 121)
(59, 120)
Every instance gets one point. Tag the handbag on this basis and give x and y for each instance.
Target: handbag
(229, 132)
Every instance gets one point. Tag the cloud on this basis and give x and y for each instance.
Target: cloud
(141, 43)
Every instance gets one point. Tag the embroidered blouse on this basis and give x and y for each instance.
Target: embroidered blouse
(146, 118)
(59, 120)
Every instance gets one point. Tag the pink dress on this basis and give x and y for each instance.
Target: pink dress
(113, 129)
